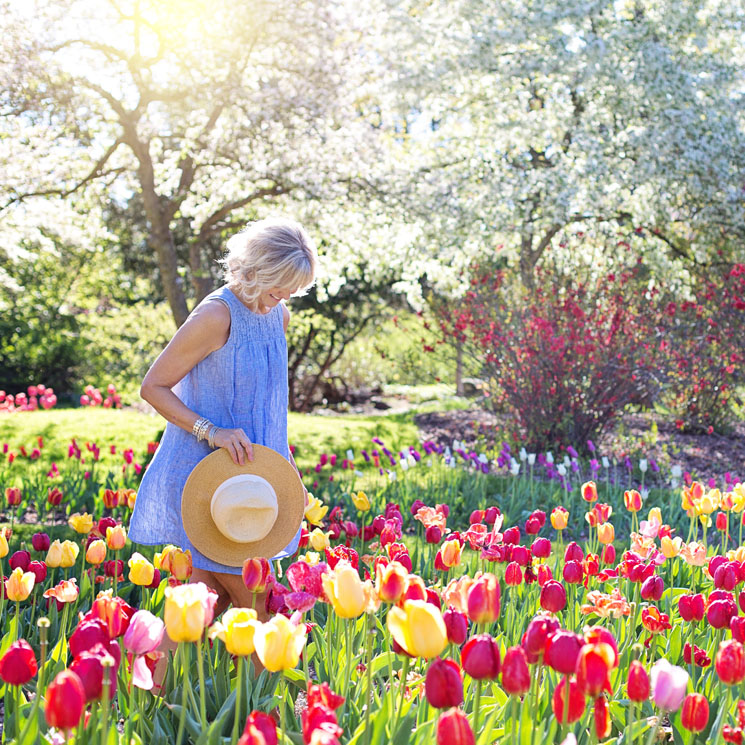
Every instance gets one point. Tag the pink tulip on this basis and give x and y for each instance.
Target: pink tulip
(144, 633)
(669, 684)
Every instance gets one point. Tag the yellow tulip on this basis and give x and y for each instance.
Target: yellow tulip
(141, 571)
(559, 518)
(70, 551)
(181, 566)
(315, 510)
(81, 523)
(318, 539)
(450, 553)
(3, 545)
(19, 585)
(279, 643)
(310, 557)
(96, 552)
(418, 628)
(162, 559)
(670, 547)
(344, 590)
(116, 537)
(54, 555)
(737, 554)
(236, 630)
(738, 494)
(361, 502)
(655, 515)
(391, 581)
(187, 611)
(705, 520)
(606, 533)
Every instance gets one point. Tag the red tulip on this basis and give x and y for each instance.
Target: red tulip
(54, 496)
(65, 701)
(513, 575)
(541, 548)
(521, 555)
(594, 663)
(720, 611)
(20, 559)
(456, 624)
(691, 607)
(532, 525)
(256, 574)
(515, 672)
(511, 535)
(601, 714)
(90, 667)
(40, 542)
(544, 574)
(576, 701)
(12, 496)
(443, 684)
(609, 554)
(453, 729)
(652, 588)
(694, 715)
(480, 657)
(260, 729)
(562, 651)
(553, 596)
(87, 634)
(572, 572)
(637, 684)
(721, 521)
(573, 552)
(18, 664)
(536, 636)
(737, 627)
(39, 570)
(433, 534)
(484, 599)
(726, 577)
(730, 662)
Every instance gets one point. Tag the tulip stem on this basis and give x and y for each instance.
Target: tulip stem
(17, 630)
(653, 732)
(404, 676)
(106, 683)
(567, 691)
(723, 716)
(368, 672)
(181, 652)
(202, 693)
(513, 717)
(238, 697)
(282, 697)
(477, 708)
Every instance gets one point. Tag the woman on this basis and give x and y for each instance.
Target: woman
(222, 382)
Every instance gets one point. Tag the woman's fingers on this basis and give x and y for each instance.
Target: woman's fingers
(234, 453)
(249, 449)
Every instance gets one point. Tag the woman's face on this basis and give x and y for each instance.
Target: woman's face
(273, 296)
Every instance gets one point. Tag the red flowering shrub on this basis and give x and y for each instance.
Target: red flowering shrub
(704, 351)
(563, 359)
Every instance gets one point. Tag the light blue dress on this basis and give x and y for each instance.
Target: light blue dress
(242, 384)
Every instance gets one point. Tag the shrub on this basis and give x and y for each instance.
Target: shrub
(563, 359)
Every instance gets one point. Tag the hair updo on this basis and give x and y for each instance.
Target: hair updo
(269, 253)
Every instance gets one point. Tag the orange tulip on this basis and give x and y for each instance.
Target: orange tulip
(589, 491)
(632, 500)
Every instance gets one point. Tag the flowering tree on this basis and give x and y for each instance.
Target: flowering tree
(535, 119)
(211, 112)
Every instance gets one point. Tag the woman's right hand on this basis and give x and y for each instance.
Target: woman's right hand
(236, 443)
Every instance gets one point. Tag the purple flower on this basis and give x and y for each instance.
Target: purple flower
(484, 468)
(415, 454)
(392, 460)
(653, 465)
(627, 462)
(712, 483)
(506, 447)
(377, 441)
(375, 453)
(591, 446)
(728, 478)
(575, 466)
(365, 456)
(594, 466)
(572, 452)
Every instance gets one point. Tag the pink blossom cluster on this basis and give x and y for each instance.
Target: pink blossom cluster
(93, 397)
(37, 395)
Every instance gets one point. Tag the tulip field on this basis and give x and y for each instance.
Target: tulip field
(438, 595)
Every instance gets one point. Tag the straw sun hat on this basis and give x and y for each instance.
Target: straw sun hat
(232, 513)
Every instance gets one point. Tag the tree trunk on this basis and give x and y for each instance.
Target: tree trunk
(200, 278)
(459, 390)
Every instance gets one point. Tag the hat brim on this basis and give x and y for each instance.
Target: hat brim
(215, 468)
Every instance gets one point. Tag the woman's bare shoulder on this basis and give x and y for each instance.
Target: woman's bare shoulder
(209, 321)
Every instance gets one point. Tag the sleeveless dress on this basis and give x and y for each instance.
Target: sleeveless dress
(242, 384)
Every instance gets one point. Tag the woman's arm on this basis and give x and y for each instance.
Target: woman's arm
(205, 331)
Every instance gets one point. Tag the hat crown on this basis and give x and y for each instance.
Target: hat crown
(244, 508)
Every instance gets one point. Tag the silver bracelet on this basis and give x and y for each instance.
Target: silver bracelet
(199, 430)
(211, 436)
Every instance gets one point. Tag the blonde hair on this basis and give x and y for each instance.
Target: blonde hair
(274, 252)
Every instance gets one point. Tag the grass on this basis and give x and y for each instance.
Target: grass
(127, 428)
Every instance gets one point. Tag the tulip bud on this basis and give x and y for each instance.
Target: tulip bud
(20, 559)
(456, 624)
(573, 552)
(576, 701)
(513, 575)
(256, 574)
(260, 729)
(391, 581)
(637, 684)
(480, 657)
(572, 572)
(737, 627)
(453, 729)
(694, 714)
(559, 518)
(652, 588)
(18, 664)
(65, 701)
(39, 570)
(515, 672)
(669, 684)
(730, 662)
(632, 500)
(19, 584)
(443, 684)
(484, 599)
(433, 534)
(541, 548)
(40, 542)
(608, 555)
(594, 663)
(116, 537)
(562, 651)
(553, 596)
(96, 552)
(691, 607)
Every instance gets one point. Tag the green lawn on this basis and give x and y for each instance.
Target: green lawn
(311, 434)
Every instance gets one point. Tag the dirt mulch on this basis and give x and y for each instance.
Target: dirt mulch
(636, 435)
